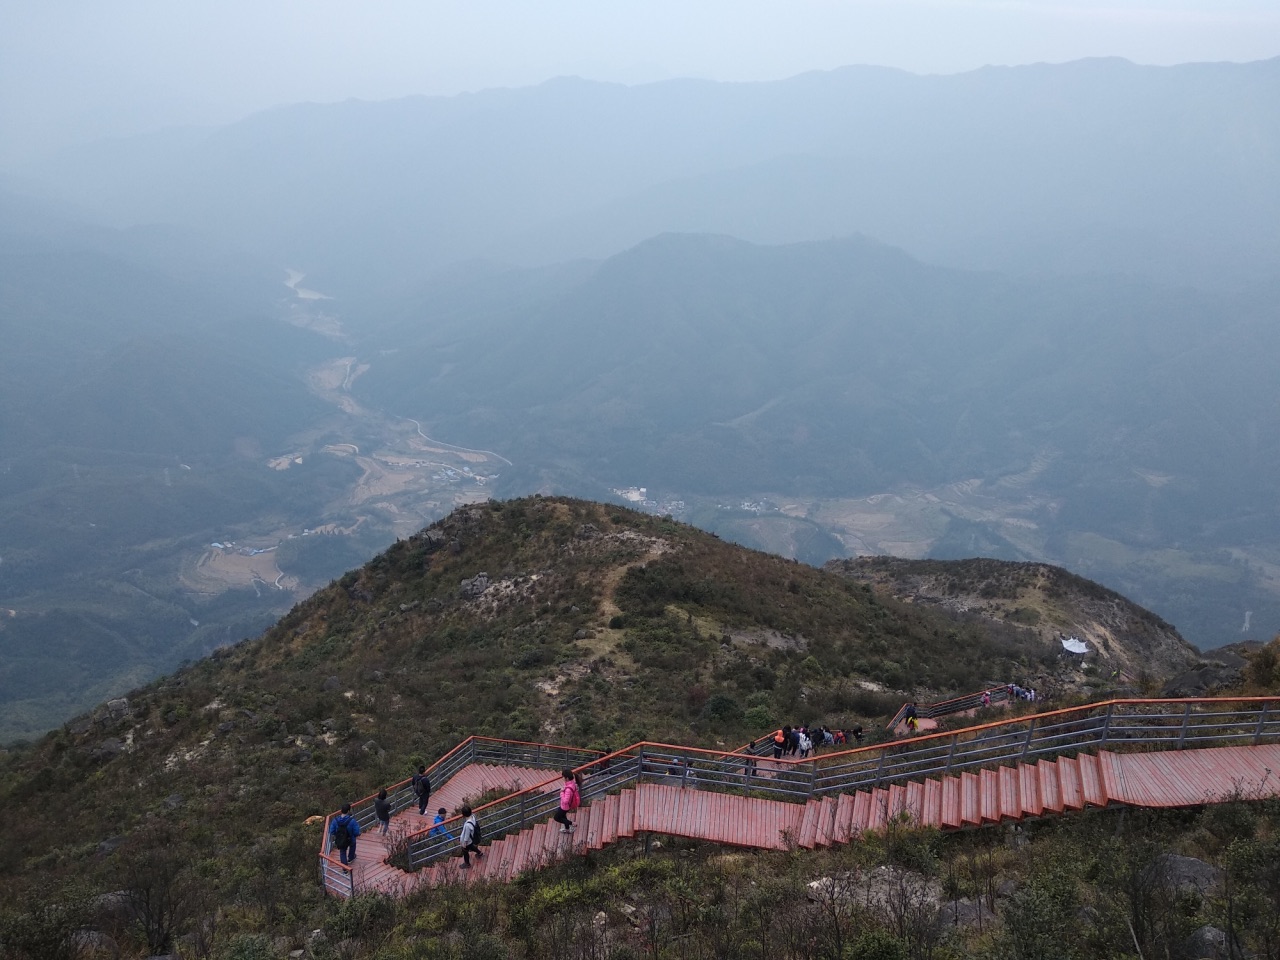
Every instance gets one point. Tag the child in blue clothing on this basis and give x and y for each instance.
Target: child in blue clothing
(436, 829)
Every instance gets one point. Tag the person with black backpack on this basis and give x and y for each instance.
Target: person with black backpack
(343, 831)
(422, 790)
(470, 838)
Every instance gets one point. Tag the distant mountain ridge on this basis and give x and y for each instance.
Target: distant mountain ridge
(847, 361)
(1095, 164)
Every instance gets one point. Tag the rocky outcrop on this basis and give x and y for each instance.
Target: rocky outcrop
(1221, 669)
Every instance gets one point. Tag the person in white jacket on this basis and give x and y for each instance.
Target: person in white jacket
(469, 839)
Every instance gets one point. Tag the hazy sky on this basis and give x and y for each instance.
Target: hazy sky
(72, 70)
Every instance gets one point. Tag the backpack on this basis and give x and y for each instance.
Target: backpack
(476, 836)
(421, 785)
(342, 834)
(575, 797)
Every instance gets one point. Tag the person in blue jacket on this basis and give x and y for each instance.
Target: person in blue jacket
(438, 828)
(343, 830)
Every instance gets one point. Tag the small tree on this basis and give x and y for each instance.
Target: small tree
(163, 891)
(1040, 920)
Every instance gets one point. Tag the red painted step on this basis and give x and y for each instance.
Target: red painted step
(897, 801)
(808, 825)
(826, 823)
(1010, 806)
(1069, 778)
(627, 813)
(989, 795)
(861, 812)
(915, 802)
(878, 814)
(1050, 793)
(970, 800)
(951, 810)
(1029, 790)
(1095, 793)
(931, 814)
(844, 818)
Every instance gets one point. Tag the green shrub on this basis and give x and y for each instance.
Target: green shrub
(724, 708)
(877, 945)
(367, 914)
(249, 947)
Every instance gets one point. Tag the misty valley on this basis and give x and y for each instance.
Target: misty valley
(772, 310)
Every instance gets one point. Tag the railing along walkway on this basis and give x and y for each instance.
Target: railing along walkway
(968, 705)
(1027, 766)
(474, 767)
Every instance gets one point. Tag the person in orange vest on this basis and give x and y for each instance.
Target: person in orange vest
(780, 740)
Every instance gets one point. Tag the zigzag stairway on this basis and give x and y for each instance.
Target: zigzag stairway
(953, 802)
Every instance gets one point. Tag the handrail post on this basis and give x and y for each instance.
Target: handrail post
(1186, 719)
(955, 741)
(1026, 744)
(884, 755)
(524, 799)
(1106, 726)
(813, 777)
(1262, 722)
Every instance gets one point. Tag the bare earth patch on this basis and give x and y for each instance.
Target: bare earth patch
(219, 569)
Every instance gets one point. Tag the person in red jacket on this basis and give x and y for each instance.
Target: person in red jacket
(570, 800)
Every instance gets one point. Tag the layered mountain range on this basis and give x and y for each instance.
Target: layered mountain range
(1023, 313)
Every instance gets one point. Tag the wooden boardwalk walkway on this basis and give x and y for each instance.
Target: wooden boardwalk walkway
(970, 799)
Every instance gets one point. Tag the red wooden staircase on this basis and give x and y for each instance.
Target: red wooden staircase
(716, 796)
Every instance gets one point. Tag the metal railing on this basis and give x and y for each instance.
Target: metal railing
(945, 708)
(1118, 725)
(337, 877)
(1129, 725)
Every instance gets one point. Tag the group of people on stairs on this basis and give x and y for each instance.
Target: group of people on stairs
(345, 828)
